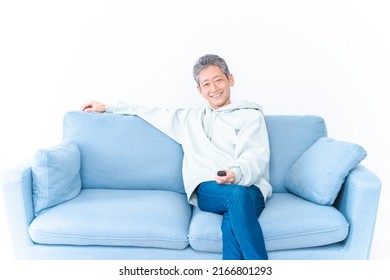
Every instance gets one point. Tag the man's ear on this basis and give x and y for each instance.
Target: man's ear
(231, 80)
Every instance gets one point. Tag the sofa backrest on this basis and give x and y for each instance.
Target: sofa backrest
(289, 137)
(125, 152)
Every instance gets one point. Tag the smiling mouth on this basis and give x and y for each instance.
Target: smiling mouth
(216, 95)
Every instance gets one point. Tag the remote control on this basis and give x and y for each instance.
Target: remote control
(221, 173)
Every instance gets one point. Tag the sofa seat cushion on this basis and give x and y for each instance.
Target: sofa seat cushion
(288, 222)
(145, 218)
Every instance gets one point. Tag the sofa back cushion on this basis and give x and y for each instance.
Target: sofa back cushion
(124, 152)
(289, 137)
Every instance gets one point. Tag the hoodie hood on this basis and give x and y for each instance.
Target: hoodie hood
(239, 105)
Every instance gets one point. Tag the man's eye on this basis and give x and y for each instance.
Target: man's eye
(205, 85)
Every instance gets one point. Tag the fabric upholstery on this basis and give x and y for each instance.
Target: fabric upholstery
(289, 137)
(320, 171)
(56, 175)
(318, 225)
(142, 218)
(124, 152)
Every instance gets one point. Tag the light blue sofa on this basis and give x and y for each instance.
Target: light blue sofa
(123, 198)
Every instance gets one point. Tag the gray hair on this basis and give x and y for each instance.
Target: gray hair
(209, 60)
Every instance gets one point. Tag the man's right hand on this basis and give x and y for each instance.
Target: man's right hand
(228, 178)
(94, 106)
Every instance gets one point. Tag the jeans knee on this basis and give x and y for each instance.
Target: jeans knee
(240, 194)
(248, 197)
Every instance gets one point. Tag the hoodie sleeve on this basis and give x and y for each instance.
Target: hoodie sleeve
(252, 153)
(167, 121)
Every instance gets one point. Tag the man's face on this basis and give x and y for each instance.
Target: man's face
(214, 86)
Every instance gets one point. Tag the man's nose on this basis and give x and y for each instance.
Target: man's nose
(214, 87)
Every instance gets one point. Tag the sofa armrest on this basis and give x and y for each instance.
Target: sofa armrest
(358, 202)
(16, 188)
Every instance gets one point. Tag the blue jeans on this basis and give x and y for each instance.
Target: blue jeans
(242, 236)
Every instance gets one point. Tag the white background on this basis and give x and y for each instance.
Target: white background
(328, 58)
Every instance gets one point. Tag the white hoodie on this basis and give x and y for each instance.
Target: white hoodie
(233, 137)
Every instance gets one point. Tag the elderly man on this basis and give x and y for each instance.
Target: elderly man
(226, 155)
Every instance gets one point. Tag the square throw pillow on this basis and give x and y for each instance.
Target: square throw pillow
(320, 171)
(56, 175)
